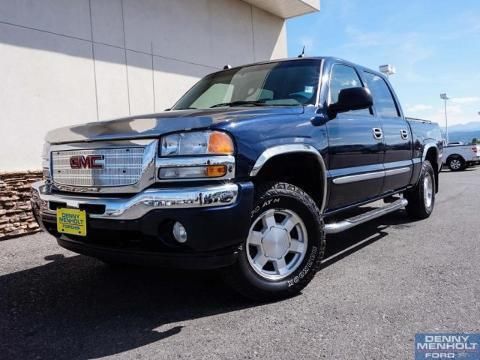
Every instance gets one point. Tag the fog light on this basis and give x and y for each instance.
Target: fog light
(216, 170)
(193, 172)
(179, 232)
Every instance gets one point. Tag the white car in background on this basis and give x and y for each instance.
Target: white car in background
(457, 156)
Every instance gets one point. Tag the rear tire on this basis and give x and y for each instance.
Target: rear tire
(421, 200)
(456, 163)
(284, 248)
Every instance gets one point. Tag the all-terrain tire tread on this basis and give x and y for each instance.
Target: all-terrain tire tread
(263, 192)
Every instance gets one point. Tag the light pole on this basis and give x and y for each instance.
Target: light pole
(387, 69)
(445, 98)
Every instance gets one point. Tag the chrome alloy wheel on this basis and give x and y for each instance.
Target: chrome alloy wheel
(455, 164)
(276, 243)
(428, 190)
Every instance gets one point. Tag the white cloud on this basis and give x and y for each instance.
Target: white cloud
(457, 114)
(418, 108)
(362, 39)
(466, 100)
(308, 42)
(404, 50)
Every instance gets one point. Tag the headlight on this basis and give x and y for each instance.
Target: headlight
(197, 143)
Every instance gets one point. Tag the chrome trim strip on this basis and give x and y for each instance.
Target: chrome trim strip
(289, 149)
(101, 144)
(177, 162)
(346, 224)
(398, 171)
(319, 86)
(369, 176)
(361, 177)
(135, 207)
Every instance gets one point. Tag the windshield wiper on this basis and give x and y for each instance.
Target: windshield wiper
(241, 102)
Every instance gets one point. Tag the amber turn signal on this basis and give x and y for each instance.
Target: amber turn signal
(220, 143)
(216, 170)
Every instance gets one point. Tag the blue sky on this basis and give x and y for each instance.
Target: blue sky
(433, 44)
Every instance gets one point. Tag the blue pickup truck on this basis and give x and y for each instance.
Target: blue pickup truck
(248, 172)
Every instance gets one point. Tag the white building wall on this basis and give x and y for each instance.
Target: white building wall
(68, 62)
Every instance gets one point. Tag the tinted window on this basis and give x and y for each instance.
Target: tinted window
(217, 93)
(288, 83)
(344, 77)
(382, 97)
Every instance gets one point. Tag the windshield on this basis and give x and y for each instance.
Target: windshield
(288, 83)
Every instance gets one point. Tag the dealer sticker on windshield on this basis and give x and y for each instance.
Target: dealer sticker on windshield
(447, 346)
(72, 221)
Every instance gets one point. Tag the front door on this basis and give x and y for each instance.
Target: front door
(356, 148)
(396, 131)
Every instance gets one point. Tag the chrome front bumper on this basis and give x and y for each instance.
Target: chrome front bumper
(136, 206)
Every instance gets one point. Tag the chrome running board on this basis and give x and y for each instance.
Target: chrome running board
(346, 224)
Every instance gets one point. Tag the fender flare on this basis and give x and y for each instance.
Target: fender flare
(439, 161)
(429, 146)
(290, 149)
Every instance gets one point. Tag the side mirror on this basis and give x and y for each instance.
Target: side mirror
(356, 98)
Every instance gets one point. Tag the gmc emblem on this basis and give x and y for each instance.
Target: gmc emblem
(87, 162)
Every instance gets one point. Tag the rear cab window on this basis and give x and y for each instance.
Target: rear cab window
(383, 101)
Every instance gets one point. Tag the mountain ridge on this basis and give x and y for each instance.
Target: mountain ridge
(470, 126)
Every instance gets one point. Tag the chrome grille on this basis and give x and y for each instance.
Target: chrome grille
(122, 167)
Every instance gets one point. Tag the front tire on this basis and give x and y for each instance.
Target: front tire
(285, 245)
(421, 200)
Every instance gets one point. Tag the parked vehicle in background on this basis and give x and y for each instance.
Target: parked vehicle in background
(458, 157)
(248, 171)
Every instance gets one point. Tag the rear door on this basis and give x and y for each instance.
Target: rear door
(355, 155)
(396, 132)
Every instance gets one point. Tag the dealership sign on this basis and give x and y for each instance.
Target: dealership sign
(447, 346)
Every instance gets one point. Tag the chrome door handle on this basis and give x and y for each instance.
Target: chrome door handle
(404, 134)
(377, 133)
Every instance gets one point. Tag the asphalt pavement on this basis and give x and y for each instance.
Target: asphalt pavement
(380, 284)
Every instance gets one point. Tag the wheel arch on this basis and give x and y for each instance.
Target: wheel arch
(455, 156)
(267, 166)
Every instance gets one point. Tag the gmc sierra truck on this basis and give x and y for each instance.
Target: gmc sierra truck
(247, 173)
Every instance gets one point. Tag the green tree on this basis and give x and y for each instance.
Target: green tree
(475, 141)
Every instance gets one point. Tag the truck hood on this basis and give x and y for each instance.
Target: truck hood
(154, 125)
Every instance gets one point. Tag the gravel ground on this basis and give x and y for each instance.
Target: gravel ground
(381, 283)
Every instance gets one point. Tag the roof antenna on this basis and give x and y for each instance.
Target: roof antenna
(303, 52)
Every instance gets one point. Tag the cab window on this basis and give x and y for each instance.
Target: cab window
(344, 77)
(382, 96)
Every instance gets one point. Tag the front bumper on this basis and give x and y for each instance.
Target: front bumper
(138, 229)
(130, 208)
